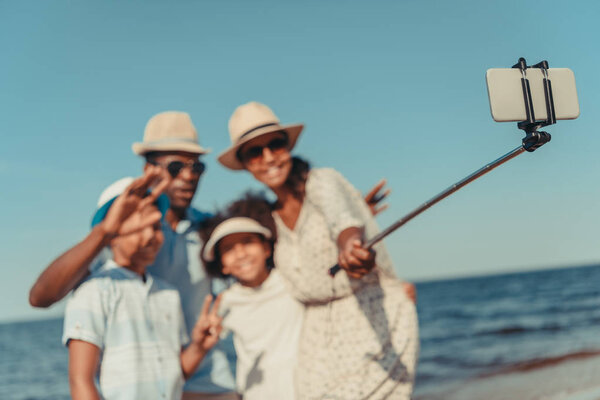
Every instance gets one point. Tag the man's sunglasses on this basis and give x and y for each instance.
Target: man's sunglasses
(255, 153)
(175, 167)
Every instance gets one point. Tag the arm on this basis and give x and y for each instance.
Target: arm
(373, 198)
(60, 277)
(204, 336)
(64, 273)
(342, 208)
(83, 362)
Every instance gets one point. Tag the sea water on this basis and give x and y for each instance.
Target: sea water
(483, 326)
(470, 328)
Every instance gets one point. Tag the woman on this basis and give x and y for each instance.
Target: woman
(359, 337)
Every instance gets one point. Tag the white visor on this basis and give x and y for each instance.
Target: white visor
(229, 227)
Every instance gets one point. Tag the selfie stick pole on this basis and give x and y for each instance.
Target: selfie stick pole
(532, 141)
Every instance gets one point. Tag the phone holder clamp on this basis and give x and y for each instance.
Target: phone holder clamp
(534, 138)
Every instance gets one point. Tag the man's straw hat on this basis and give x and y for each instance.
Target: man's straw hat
(249, 121)
(170, 131)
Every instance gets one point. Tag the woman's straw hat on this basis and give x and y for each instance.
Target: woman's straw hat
(229, 227)
(249, 121)
(170, 131)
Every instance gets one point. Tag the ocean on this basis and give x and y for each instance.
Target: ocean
(471, 328)
(482, 326)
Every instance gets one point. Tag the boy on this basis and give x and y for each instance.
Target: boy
(125, 329)
(265, 319)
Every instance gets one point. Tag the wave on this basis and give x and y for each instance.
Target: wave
(519, 329)
(503, 331)
(538, 363)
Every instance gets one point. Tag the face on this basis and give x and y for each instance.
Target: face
(186, 169)
(267, 158)
(140, 247)
(244, 256)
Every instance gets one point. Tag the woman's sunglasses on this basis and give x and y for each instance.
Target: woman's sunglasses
(255, 153)
(175, 167)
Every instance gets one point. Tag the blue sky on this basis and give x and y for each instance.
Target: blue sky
(391, 89)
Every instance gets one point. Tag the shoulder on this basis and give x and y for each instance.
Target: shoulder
(327, 179)
(94, 295)
(92, 284)
(105, 284)
(101, 278)
(324, 174)
(196, 216)
(161, 284)
(232, 295)
(238, 297)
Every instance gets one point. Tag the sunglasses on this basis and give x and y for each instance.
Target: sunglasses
(175, 167)
(255, 153)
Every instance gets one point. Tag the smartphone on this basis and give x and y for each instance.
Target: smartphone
(506, 93)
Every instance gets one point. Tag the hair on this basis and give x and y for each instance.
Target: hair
(296, 180)
(253, 205)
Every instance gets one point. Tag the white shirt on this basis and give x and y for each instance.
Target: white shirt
(266, 322)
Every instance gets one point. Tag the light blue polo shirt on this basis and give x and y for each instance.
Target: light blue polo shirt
(138, 327)
(178, 263)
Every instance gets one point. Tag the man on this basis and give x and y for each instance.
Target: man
(170, 142)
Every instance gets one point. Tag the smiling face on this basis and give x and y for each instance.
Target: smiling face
(139, 248)
(244, 256)
(268, 158)
(184, 184)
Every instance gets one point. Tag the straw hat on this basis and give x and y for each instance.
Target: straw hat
(170, 131)
(249, 121)
(229, 227)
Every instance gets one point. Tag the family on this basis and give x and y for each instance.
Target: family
(169, 302)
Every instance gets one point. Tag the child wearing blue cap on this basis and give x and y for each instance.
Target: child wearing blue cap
(125, 329)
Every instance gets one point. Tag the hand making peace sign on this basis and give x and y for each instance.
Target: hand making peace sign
(135, 198)
(208, 327)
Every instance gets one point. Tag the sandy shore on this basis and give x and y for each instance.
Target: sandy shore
(573, 379)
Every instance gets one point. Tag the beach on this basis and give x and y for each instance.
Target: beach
(575, 378)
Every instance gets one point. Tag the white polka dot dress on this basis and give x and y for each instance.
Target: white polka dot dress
(360, 336)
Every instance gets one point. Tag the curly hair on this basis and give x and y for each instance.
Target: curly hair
(253, 205)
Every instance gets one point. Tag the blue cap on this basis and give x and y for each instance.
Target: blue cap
(110, 194)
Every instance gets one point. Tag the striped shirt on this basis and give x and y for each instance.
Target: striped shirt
(178, 263)
(139, 328)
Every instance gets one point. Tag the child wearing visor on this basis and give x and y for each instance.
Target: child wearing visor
(258, 309)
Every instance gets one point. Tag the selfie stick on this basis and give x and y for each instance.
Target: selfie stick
(532, 141)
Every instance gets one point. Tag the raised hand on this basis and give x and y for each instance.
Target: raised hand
(203, 337)
(135, 198)
(208, 326)
(374, 197)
